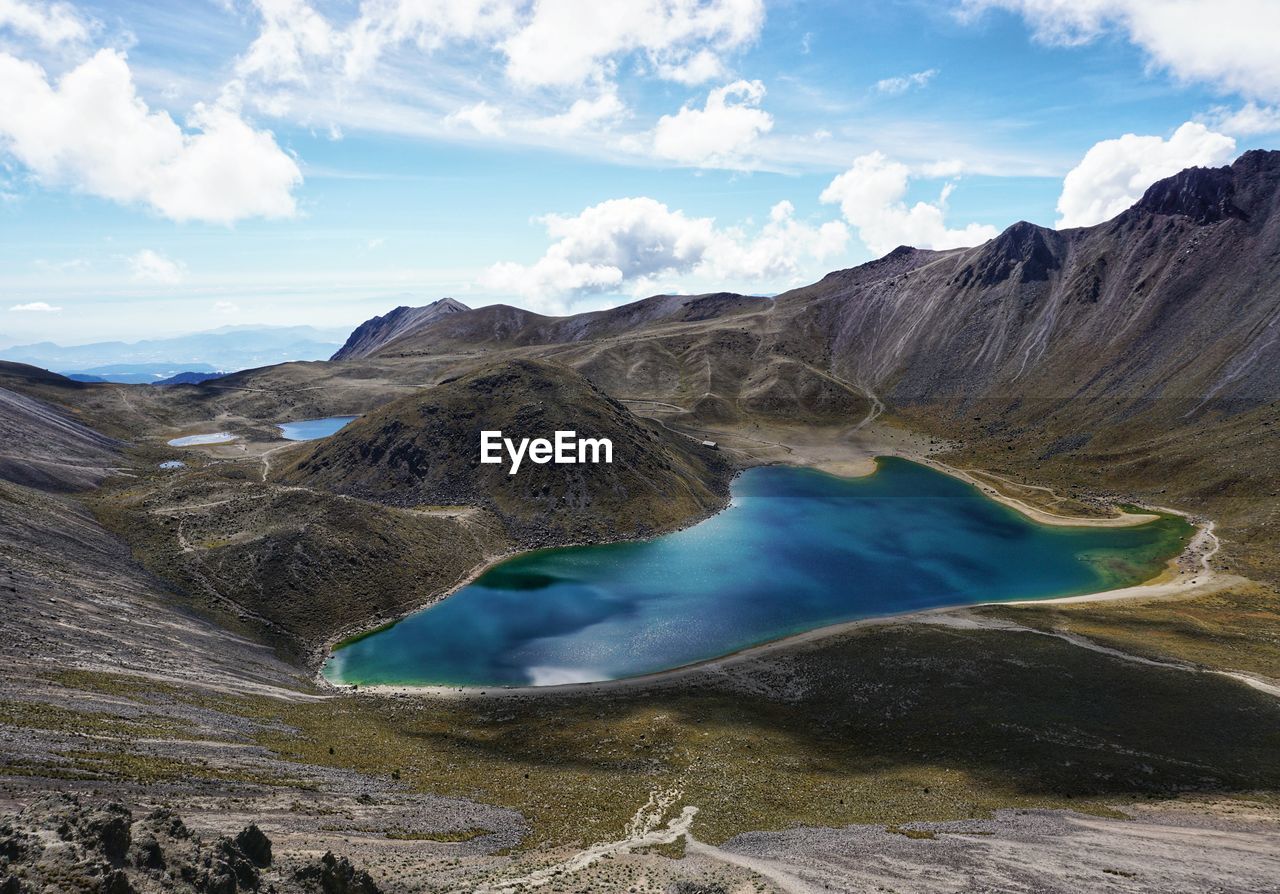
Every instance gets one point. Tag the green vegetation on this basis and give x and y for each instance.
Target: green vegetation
(1234, 629)
(888, 725)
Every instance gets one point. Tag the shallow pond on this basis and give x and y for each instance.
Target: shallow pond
(796, 550)
(217, 437)
(311, 429)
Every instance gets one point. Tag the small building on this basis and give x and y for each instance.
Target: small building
(711, 444)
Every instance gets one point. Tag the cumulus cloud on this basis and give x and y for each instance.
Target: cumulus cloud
(1249, 120)
(151, 266)
(699, 68)
(627, 244)
(584, 114)
(292, 36)
(92, 132)
(39, 307)
(720, 133)
(49, 23)
(1227, 43)
(1115, 173)
(895, 86)
(481, 117)
(564, 42)
(871, 196)
(545, 43)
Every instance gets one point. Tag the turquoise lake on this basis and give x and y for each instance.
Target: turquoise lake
(796, 550)
(311, 429)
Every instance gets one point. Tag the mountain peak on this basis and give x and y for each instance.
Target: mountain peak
(1024, 248)
(374, 333)
(1206, 195)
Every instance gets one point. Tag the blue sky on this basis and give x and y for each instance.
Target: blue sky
(164, 170)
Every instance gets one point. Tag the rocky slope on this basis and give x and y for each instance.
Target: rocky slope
(45, 447)
(424, 450)
(1173, 306)
(372, 335)
(62, 844)
(503, 326)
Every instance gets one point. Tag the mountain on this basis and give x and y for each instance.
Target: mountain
(1140, 355)
(374, 334)
(189, 378)
(1173, 305)
(141, 373)
(45, 448)
(500, 325)
(1175, 300)
(424, 450)
(228, 348)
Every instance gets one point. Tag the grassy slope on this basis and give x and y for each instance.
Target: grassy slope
(884, 725)
(292, 566)
(425, 449)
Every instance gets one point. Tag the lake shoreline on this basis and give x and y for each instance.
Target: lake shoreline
(1189, 570)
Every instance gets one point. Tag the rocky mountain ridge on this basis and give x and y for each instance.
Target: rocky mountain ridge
(373, 335)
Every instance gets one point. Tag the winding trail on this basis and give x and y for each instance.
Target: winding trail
(644, 830)
(787, 881)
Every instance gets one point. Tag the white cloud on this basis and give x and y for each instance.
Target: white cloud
(292, 35)
(40, 307)
(699, 68)
(627, 244)
(92, 132)
(1249, 120)
(871, 197)
(943, 167)
(1228, 43)
(481, 117)
(151, 266)
(49, 23)
(226, 307)
(565, 42)
(1115, 173)
(426, 24)
(584, 114)
(719, 134)
(895, 86)
(556, 43)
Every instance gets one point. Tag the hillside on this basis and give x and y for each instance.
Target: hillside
(1176, 300)
(45, 448)
(423, 450)
(372, 335)
(503, 326)
(1140, 356)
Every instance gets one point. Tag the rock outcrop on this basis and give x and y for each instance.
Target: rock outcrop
(65, 844)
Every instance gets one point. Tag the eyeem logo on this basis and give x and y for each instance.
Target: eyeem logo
(567, 449)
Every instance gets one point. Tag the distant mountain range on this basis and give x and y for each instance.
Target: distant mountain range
(211, 353)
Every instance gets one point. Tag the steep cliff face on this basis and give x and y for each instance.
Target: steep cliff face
(372, 335)
(1176, 299)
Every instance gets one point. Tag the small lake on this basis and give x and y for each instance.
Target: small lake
(311, 429)
(796, 550)
(217, 437)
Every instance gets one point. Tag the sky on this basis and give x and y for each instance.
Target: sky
(168, 168)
